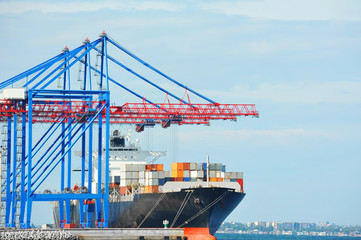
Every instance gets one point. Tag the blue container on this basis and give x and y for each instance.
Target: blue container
(161, 181)
(223, 168)
(204, 166)
(167, 179)
(233, 180)
(187, 179)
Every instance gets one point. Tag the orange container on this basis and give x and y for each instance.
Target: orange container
(219, 179)
(213, 179)
(151, 189)
(159, 167)
(177, 166)
(176, 174)
(154, 167)
(123, 190)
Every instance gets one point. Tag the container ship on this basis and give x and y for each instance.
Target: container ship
(195, 196)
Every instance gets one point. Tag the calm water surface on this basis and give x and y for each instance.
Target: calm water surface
(229, 236)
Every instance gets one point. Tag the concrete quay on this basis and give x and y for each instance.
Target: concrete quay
(94, 233)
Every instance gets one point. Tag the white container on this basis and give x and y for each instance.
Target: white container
(135, 175)
(218, 174)
(227, 175)
(197, 174)
(141, 181)
(193, 166)
(239, 175)
(151, 175)
(199, 166)
(135, 167)
(152, 181)
(141, 167)
(193, 173)
(125, 182)
(161, 174)
(186, 173)
(212, 174)
(135, 181)
(166, 174)
(141, 174)
(233, 175)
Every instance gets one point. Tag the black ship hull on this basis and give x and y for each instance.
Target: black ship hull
(191, 208)
(188, 208)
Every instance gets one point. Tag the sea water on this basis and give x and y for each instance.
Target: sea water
(231, 236)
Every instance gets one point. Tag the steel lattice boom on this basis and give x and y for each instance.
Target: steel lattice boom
(131, 113)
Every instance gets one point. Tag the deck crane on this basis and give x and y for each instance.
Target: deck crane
(46, 94)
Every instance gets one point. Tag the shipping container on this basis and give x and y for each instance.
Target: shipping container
(186, 173)
(151, 189)
(177, 179)
(125, 182)
(150, 175)
(177, 166)
(152, 182)
(218, 167)
(161, 181)
(161, 174)
(186, 166)
(117, 179)
(125, 175)
(193, 166)
(212, 174)
(135, 175)
(141, 174)
(187, 179)
(176, 174)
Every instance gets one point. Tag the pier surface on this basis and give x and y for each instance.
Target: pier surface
(95, 233)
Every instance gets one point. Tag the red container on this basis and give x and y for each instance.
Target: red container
(186, 166)
(240, 181)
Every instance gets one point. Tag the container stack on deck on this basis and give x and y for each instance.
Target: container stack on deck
(147, 178)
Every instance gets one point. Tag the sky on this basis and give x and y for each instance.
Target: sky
(298, 61)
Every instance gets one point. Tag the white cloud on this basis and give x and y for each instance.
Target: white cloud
(344, 92)
(86, 6)
(305, 10)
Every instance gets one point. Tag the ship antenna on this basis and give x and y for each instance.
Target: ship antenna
(207, 170)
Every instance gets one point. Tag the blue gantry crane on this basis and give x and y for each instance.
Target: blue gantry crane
(46, 94)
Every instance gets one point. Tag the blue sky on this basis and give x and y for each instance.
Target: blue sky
(298, 61)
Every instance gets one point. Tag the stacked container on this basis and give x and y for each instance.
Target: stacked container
(148, 177)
